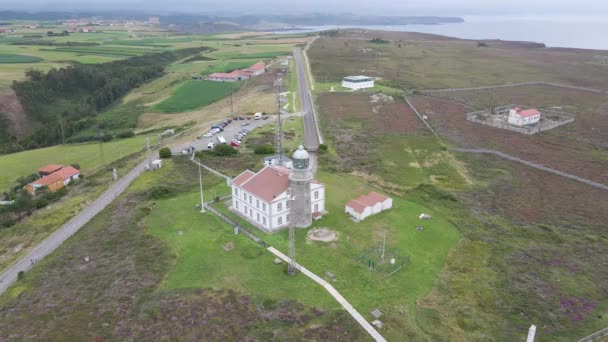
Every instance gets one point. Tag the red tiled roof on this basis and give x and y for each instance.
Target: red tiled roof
(356, 205)
(50, 168)
(360, 203)
(243, 177)
(527, 112)
(258, 66)
(269, 183)
(59, 175)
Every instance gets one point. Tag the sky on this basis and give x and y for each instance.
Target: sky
(596, 8)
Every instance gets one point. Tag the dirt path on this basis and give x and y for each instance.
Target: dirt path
(430, 91)
(531, 164)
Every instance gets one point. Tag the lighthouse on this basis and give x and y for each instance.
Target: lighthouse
(300, 178)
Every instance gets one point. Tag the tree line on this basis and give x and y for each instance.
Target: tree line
(64, 101)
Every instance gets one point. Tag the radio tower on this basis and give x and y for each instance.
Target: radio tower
(279, 134)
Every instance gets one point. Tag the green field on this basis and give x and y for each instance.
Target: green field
(226, 66)
(88, 156)
(195, 94)
(261, 55)
(10, 58)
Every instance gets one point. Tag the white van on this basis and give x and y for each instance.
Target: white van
(257, 116)
(220, 139)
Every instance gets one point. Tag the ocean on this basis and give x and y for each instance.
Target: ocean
(569, 32)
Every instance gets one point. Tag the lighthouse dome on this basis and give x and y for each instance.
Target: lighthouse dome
(300, 158)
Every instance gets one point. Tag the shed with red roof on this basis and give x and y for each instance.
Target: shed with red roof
(367, 205)
(523, 117)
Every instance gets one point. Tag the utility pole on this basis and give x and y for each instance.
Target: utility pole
(231, 99)
(148, 154)
(200, 180)
(291, 267)
(384, 245)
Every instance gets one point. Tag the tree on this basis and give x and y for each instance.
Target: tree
(322, 148)
(165, 152)
(224, 150)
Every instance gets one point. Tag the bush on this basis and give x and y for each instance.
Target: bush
(165, 152)
(322, 148)
(20, 275)
(76, 166)
(159, 191)
(126, 134)
(224, 150)
(263, 149)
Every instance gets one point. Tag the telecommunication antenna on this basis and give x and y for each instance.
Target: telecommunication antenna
(291, 267)
(279, 137)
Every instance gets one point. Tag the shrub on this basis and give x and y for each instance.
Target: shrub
(160, 191)
(20, 275)
(41, 202)
(322, 148)
(165, 152)
(263, 149)
(224, 150)
(126, 134)
(76, 166)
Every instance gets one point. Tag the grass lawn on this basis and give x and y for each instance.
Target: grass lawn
(257, 55)
(10, 58)
(195, 94)
(396, 295)
(86, 155)
(226, 66)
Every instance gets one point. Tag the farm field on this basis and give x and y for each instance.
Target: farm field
(118, 240)
(9, 58)
(576, 148)
(87, 155)
(195, 94)
(422, 61)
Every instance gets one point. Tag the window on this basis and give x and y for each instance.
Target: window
(287, 204)
(250, 212)
(280, 220)
(250, 199)
(236, 191)
(258, 217)
(279, 206)
(316, 195)
(257, 203)
(236, 203)
(316, 208)
(264, 220)
(286, 218)
(264, 206)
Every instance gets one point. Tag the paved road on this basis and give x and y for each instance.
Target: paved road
(332, 291)
(534, 165)
(48, 245)
(312, 134)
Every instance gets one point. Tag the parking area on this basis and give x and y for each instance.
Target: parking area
(230, 130)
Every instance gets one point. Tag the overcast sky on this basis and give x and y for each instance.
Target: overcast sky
(596, 8)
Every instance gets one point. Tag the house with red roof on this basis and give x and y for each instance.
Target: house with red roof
(522, 117)
(239, 75)
(54, 180)
(367, 205)
(263, 198)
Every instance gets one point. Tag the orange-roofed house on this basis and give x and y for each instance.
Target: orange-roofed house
(239, 75)
(55, 180)
(257, 69)
(48, 169)
(367, 205)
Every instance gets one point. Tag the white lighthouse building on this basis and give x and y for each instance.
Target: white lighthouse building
(265, 198)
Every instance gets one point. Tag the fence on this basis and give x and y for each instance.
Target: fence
(594, 336)
(498, 119)
(234, 224)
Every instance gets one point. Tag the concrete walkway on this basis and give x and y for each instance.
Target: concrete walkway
(332, 291)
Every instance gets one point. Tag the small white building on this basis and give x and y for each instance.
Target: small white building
(358, 82)
(523, 117)
(157, 164)
(264, 198)
(367, 205)
(276, 159)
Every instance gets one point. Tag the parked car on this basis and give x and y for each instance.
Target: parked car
(265, 117)
(220, 139)
(257, 116)
(235, 143)
(238, 137)
(211, 145)
(207, 135)
(246, 124)
(241, 118)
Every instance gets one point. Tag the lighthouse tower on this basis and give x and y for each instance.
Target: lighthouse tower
(300, 177)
